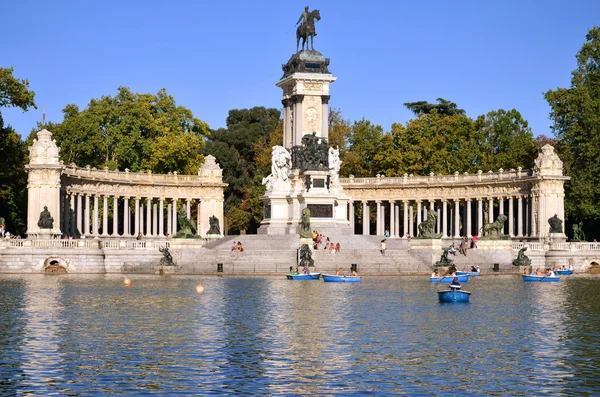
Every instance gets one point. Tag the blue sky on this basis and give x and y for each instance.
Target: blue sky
(216, 56)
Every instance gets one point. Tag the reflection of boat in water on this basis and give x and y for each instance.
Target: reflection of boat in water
(462, 278)
(311, 276)
(331, 278)
(545, 279)
(454, 295)
(472, 274)
(563, 272)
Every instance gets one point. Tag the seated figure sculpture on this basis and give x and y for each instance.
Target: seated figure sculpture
(46, 221)
(214, 228)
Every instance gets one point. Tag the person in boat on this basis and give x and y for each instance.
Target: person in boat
(538, 272)
(474, 269)
(478, 268)
(435, 274)
(306, 270)
(550, 273)
(339, 272)
(293, 271)
(353, 272)
(528, 271)
(570, 266)
(454, 285)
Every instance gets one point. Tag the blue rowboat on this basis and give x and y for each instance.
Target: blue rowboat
(330, 278)
(311, 276)
(463, 278)
(454, 295)
(472, 274)
(563, 272)
(544, 279)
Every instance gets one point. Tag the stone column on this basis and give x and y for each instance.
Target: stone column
(287, 117)
(439, 221)
(351, 215)
(392, 219)
(141, 215)
(154, 219)
(325, 116)
(424, 212)
(95, 214)
(105, 216)
(490, 210)
(115, 216)
(444, 218)
(65, 212)
(86, 218)
(397, 221)
(79, 214)
(411, 222)
(126, 217)
(136, 222)
(174, 232)
(418, 216)
(511, 217)
(161, 216)
(365, 218)
(468, 224)
(188, 208)
(457, 218)
(73, 218)
(149, 217)
(479, 214)
(405, 230)
(169, 219)
(378, 223)
(298, 119)
(382, 219)
(501, 209)
(520, 216)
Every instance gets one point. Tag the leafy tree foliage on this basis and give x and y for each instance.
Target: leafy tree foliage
(134, 131)
(443, 107)
(576, 116)
(14, 92)
(249, 135)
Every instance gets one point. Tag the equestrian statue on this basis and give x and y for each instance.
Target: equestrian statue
(306, 29)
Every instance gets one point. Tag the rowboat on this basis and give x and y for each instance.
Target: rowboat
(454, 295)
(462, 278)
(564, 272)
(311, 276)
(331, 278)
(545, 279)
(472, 274)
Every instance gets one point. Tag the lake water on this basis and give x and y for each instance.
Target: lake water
(91, 336)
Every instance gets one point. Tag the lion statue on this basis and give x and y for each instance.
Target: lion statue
(427, 227)
(494, 229)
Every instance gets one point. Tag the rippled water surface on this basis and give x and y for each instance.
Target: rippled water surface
(91, 336)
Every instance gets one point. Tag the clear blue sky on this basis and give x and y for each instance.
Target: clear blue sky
(213, 56)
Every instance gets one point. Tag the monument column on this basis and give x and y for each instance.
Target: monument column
(490, 210)
(115, 216)
(154, 218)
(141, 214)
(411, 222)
(105, 216)
(174, 217)
(298, 119)
(86, 217)
(148, 216)
(95, 220)
(73, 217)
(126, 217)
(418, 216)
(457, 218)
(136, 221)
(520, 216)
(392, 219)
(382, 220)
(79, 213)
(378, 223)
(397, 221)
(161, 216)
(325, 116)
(351, 215)
(444, 218)
(188, 208)
(501, 209)
(169, 219)
(511, 217)
(468, 224)
(287, 117)
(479, 214)
(405, 231)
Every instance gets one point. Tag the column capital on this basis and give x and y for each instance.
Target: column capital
(468, 199)
(325, 99)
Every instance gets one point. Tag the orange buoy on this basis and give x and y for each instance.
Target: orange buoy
(127, 282)
(199, 287)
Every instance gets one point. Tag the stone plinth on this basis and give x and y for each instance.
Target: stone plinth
(558, 237)
(428, 250)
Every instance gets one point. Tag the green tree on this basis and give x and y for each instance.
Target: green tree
(443, 107)
(576, 115)
(504, 140)
(14, 92)
(133, 131)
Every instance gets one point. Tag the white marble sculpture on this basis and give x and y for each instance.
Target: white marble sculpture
(334, 167)
(281, 163)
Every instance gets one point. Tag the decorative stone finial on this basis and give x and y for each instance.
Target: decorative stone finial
(548, 162)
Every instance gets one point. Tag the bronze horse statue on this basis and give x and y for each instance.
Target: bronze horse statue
(307, 30)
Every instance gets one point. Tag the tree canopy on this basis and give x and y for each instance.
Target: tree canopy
(133, 131)
(14, 92)
(576, 116)
(443, 107)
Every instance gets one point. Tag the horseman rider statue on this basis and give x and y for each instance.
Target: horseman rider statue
(307, 29)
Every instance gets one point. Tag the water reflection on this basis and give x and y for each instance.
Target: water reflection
(89, 335)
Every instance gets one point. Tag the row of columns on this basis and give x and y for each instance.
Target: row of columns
(451, 213)
(78, 210)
